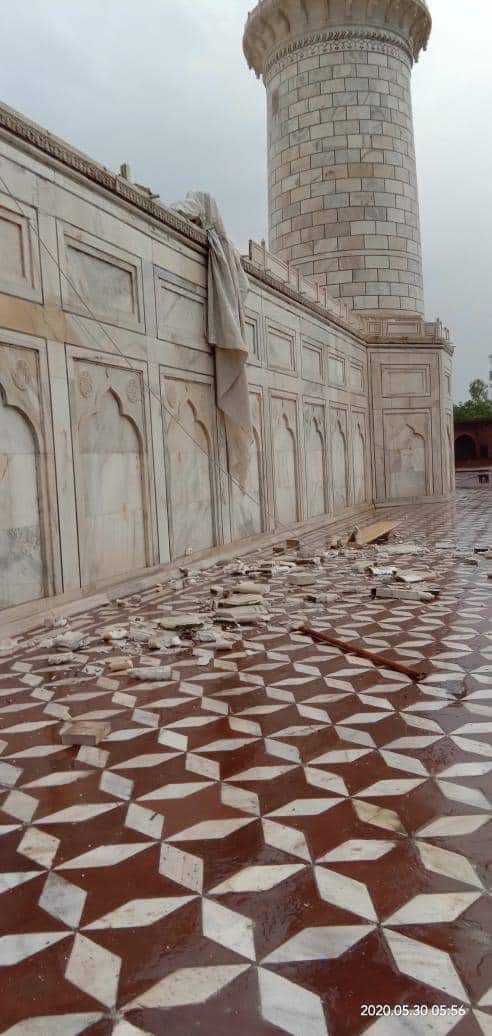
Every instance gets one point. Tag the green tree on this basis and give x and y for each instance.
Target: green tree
(478, 391)
(477, 406)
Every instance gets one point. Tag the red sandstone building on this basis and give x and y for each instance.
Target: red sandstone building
(473, 442)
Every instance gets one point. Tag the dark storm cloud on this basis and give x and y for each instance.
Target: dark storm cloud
(163, 84)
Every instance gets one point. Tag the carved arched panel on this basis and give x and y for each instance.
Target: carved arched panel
(110, 449)
(189, 418)
(406, 447)
(112, 501)
(359, 454)
(339, 461)
(315, 446)
(22, 569)
(247, 507)
(286, 482)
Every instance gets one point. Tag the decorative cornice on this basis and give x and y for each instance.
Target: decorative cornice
(58, 150)
(331, 40)
(274, 24)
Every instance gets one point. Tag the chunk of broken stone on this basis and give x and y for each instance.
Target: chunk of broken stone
(115, 633)
(159, 672)
(320, 598)
(71, 641)
(61, 659)
(242, 615)
(240, 600)
(301, 578)
(53, 621)
(120, 664)
(7, 647)
(184, 621)
(252, 588)
(412, 576)
(394, 550)
(84, 732)
(395, 593)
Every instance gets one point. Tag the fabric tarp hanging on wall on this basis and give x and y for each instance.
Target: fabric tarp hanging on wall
(228, 287)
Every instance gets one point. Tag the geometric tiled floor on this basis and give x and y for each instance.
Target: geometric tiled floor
(267, 843)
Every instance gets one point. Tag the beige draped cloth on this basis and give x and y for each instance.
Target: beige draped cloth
(228, 286)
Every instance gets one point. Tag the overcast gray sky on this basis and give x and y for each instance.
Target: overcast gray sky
(163, 84)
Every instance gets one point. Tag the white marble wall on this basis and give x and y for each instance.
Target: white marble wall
(113, 458)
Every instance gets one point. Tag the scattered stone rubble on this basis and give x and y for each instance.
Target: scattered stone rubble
(245, 597)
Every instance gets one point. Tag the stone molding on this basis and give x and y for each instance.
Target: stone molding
(276, 28)
(58, 150)
(329, 42)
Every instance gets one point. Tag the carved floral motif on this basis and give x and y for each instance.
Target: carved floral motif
(133, 390)
(21, 375)
(86, 387)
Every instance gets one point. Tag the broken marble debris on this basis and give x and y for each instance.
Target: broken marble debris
(114, 633)
(84, 732)
(320, 598)
(397, 549)
(184, 621)
(62, 658)
(70, 641)
(411, 576)
(252, 588)
(160, 672)
(302, 578)
(395, 593)
(239, 600)
(7, 647)
(242, 615)
(53, 621)
(121, 663)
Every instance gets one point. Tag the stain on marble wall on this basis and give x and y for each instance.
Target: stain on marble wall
(339, 460)
(190, 451)
(406, 454)
(315, 446)
(286, 475)
(21, 562)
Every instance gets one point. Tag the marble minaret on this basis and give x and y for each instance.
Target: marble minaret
(343, 199)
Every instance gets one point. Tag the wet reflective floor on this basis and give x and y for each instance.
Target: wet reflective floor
(285, 840)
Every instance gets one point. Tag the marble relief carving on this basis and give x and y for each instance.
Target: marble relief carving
(315, 452)
(286, 475)
(190, 435)
(110, 472)
(22, 561)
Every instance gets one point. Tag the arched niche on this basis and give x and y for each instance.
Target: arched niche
(286, 486)
(111, 508)
(339, 467)
(359, 463)
(22, 567)
(315, 462)
(407, 460)
(465, 449)
(191, 489)
(247, 505)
